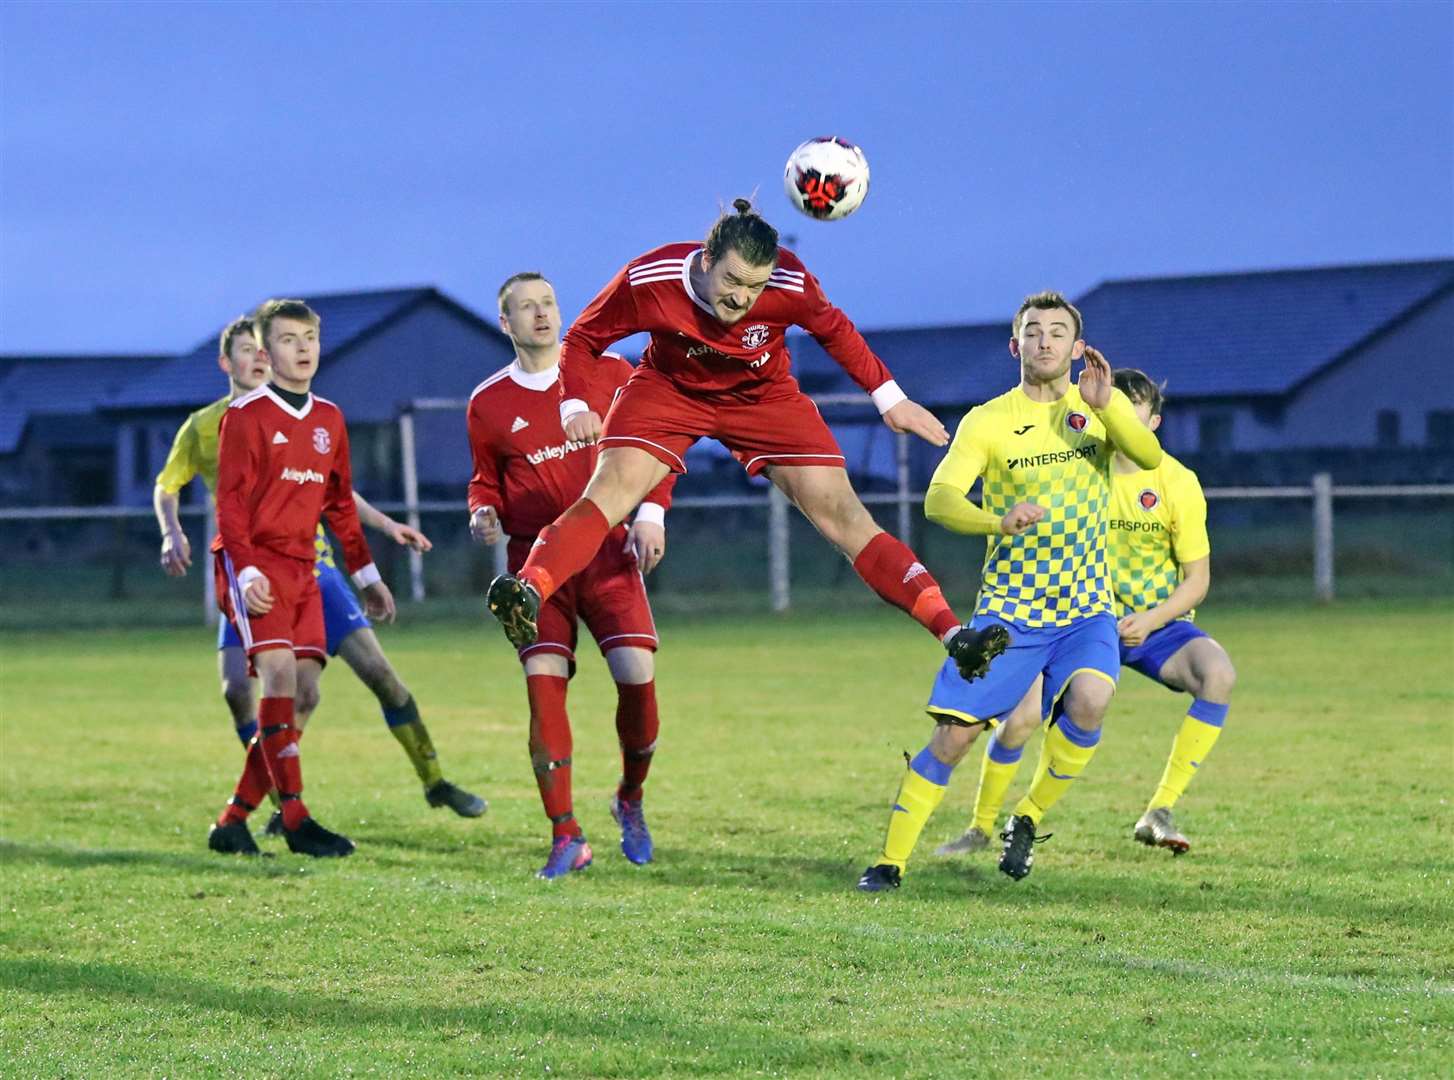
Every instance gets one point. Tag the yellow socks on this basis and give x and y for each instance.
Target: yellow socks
(996, 773)
(413, 736)
(923, 787)
(1193, 743)
(1066, 751)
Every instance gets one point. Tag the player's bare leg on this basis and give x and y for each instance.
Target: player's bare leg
(1203, 669)
(623, 476)
(362, 652)
(237, 691)
(634, 671)
(886, 565)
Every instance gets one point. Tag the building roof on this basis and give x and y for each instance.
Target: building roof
(63, 386)
(1260, 333)
(192, 379)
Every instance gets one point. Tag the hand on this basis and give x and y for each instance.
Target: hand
(258, 596)
(1135, 629)
(176, 553)
(1095, 381)
(1020, 518)
(406, 535)
(648, 540)
(583, 428)
(909, 416)
(485, 525)
(379, 602)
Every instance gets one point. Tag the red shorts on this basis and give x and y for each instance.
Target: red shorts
(608, 596)
(296, 619)
(651, 413)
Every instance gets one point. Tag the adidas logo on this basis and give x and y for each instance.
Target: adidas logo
(914, 571)
(279, 437)
(291, 750)
(520, 424)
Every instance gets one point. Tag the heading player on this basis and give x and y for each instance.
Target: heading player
(282, 463)
(717, 365)
(1160, 562)
(1044, 450)
(526, 472)
(348, 633)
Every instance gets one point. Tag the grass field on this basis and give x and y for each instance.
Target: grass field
(1310, 929)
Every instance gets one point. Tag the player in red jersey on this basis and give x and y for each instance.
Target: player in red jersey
(282, 462)
(526, 472)
(718, 366)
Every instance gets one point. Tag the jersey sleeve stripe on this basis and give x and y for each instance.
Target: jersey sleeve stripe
(784, 285)
(491, 381)
(639, 267)
(675, 275)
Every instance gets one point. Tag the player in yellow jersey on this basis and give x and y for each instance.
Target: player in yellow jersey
(1160, 561)
(193, 453)
(1044, 451)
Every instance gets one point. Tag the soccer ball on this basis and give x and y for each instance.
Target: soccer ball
(826, 178)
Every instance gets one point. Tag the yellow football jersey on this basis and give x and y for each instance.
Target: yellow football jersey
(194, 450)
(1158, 524)
(1054, 454)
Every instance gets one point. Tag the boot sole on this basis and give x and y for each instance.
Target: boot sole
(507, 602)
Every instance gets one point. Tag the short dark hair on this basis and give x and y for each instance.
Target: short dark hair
(1139, 387)
(743, 230)
(240, 325)
(1048, 300)
(515, 279)
(268, 310)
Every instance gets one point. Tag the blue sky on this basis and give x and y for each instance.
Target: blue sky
(164, 166)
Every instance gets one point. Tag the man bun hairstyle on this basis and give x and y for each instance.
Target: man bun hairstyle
(742, 229)
(1139, 387)
(268, 310)
(240, 325)
(1049, 300)
(503, 299)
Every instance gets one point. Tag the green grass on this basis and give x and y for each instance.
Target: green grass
(1310, 929)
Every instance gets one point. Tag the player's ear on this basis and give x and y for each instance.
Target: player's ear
(224, 363)
(1014, 348)
(1077, 350)
(1155, 421)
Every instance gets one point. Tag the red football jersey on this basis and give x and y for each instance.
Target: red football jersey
(525, 467)
(747, 361)
(279, 469)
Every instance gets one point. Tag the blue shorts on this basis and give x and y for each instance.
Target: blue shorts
(1152, 654)
(341, 612)
(1057, 652)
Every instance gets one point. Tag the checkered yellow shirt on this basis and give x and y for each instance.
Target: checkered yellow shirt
(1053, 454)
(1158, 524)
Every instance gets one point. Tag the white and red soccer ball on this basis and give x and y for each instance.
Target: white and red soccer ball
(826, 178)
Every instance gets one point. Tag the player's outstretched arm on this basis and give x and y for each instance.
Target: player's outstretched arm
(402, 534)
(911, 417)
(176, 548)
(607, 319)
(1123, 427)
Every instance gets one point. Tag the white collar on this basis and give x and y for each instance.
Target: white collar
(534, 380)
(687, 283)
(296, 414)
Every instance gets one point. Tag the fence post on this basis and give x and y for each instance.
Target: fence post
(502, 560)
(906, 516)
(1323, 537)
(210, 614)
(411, 499)
(777, 549)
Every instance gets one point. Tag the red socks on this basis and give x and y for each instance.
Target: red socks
(550, 750)
(272, 763)
(564, 547)
(636, 727)
(892, 570)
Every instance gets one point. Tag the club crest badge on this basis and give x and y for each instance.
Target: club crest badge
(1149, 499)
(1075, 421)
(755, 336)
(321, 442)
